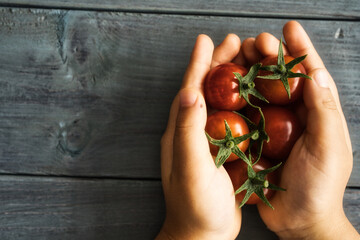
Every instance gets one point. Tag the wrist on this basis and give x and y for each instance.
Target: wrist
(177, 232)
(181, 234)
(329, 228)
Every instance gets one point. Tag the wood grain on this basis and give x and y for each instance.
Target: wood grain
(351, 203)
(315, 9)
(68, 208)
(57, 208)
(88, 93)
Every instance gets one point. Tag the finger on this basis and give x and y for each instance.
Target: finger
(227, 50)
(170, 128)
(198, 67)
(268, 45)
(325, 123)
(240, 59)
(251, 53)
(191, 148)
(167, 141)
(199, 63)
(299, 44)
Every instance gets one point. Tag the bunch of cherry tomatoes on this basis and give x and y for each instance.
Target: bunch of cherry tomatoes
(254, 126)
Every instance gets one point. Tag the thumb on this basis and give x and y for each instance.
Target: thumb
(325, 119)
(191, 148)
(317, 92)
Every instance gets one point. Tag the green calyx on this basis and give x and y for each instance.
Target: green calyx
(247, 84)
(256, 183)
(283, 71)
(228, 145)
(259, 134)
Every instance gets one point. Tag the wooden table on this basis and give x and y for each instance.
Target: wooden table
(85, 92)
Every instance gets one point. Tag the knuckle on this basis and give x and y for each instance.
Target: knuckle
(179, 131)
(184, 122)
(184, 131)
(329, 103)
(184, 125)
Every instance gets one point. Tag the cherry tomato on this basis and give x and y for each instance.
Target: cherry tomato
(222, 87)
(215, 127)
(237, 171)
(283, 128)
(274, 90)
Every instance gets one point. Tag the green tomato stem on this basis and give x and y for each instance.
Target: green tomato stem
(259, 182)
(282, 69)
(230, 144)
(251, 85)
(266, 183)
(255, 136)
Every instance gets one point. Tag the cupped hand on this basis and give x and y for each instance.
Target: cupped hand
(319, 166)
(200, 200)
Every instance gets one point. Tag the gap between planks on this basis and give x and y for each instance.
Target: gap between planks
(80, 177)
(89, 178)
(185, 12)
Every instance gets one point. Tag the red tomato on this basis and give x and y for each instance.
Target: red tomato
(274, 90)
(222, 87)
(283, 128)
(237, 171)
(215, 127)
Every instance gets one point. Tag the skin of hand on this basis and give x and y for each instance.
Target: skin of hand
(200, 200)
(319, 166)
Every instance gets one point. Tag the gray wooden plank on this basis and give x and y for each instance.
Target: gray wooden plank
(61, 208)
(346, 9)
(88, 93)
(66, 208)
(351, 206)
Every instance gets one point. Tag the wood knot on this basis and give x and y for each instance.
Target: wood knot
(74, 137)
(339, 34)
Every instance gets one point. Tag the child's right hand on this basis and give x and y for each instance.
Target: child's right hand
(319, 166)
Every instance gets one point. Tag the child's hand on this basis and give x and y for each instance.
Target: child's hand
(200, 200)
(319, 166)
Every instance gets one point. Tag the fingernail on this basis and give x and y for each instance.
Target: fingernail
(322, 78)
(187, 98)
